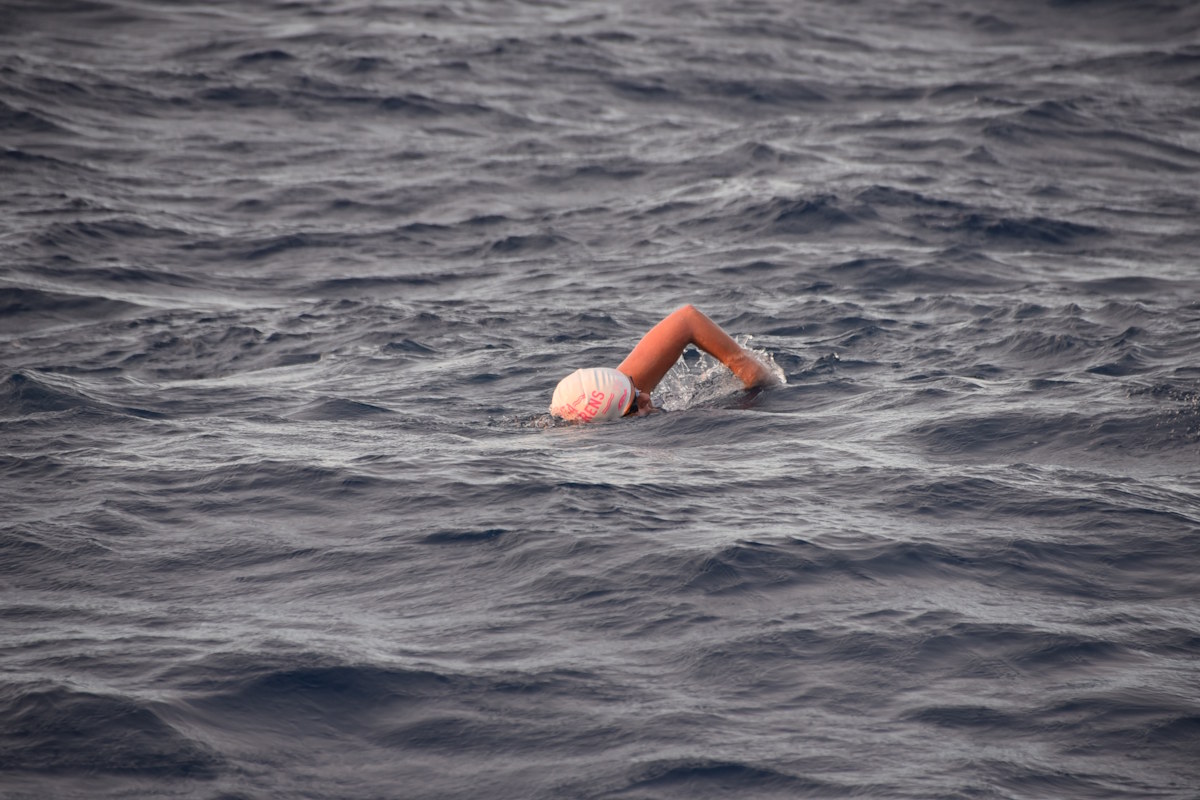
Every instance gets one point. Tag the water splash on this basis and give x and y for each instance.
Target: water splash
(698, 378)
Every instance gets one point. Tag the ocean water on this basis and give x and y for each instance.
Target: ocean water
(285, 288)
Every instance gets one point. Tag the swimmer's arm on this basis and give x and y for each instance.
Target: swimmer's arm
(661, 347)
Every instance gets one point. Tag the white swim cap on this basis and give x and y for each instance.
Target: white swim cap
(592, 395)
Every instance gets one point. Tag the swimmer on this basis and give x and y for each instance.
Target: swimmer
(603, 393)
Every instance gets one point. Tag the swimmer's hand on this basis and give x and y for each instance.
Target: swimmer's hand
(751, 371)
(644, 404)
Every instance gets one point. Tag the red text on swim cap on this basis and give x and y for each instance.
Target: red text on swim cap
(593, 405)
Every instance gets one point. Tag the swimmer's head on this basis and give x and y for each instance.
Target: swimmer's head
(592, 395)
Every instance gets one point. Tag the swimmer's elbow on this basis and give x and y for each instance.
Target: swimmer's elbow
(688, 311)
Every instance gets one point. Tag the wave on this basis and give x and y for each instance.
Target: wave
(212, 347)
(1071, 132)
(24, 395)
(17, 121)
(1115, 566)
(337, 409)
(702, 777)
(25, 311)
(1019, 435)
(394, 708)
(56, 730)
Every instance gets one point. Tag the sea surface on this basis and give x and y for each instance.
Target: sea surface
(285, 288)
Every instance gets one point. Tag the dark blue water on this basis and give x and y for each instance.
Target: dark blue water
(285, 288)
